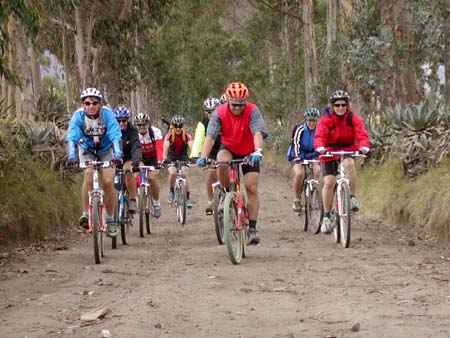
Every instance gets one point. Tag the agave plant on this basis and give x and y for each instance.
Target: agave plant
(420, 117)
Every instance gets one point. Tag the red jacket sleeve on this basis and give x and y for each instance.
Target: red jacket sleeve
(361, 135)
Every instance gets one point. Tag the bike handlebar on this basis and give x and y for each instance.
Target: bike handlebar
(98, 164)
(343, 153)
(305, 162)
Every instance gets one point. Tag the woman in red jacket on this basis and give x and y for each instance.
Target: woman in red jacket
(339, 129)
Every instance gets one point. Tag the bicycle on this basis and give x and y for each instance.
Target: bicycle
(340, 208)
(146, 205)
(96, 224)
(311, 198)
(235, 214)
(179, 200)
(121, 215)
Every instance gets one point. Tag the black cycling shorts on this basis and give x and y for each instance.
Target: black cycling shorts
(246, 168)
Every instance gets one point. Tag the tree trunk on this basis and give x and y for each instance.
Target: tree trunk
(36, 75)
(66, 69)
(289, 34)
(447, 51)
(310, 55)
(80, 58)
(24, 96)
(404, 70)
(331, 24)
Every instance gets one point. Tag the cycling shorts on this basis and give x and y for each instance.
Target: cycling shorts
(246, 168)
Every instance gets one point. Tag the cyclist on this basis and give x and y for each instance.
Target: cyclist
(131, 152)
(339, 129)
(176, 147)
(200, 132)
(95, 129)
(303, 148)
(243, 130)
(151, 144)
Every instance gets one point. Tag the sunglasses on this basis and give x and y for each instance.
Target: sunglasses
(88, 103)
(122, 120)
(237, 104)
(177, 126)
(341, 105)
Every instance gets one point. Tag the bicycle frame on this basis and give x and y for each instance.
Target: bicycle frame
(145, 185)
(97, 191)
(123, 194)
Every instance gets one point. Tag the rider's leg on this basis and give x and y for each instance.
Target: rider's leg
(211, 177)
(299, 174)
(350, 172)
(251, 188)
(172, 176)
(86, 186)
(130, 181)
(107, 178)
(222, 171)
(154, 186)
(329, 182)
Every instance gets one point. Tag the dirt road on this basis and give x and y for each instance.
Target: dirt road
(179, 282)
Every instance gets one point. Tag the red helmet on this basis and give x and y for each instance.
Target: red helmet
(236, 92)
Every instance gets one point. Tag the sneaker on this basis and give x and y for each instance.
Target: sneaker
(111, 228)
(253, 239)
(209, 208)
(354, 203)
(326, 227)
(84, 221)
(157, 211)
(170, 197)
(297, 207)
(189, 203)
(132, 207)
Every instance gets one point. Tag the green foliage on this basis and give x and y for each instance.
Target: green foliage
(32, 202)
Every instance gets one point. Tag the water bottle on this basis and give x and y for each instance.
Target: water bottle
(117, 181)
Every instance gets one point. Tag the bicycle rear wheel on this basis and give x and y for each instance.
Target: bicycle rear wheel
(142, 204)
(116, 218)
(218, 196)
(344, 215)
(234, 237)
(96, 232)
(314, 208)
(180, 195)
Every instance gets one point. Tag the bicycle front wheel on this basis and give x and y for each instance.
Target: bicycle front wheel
(302, 215)
(141, 198)
(180, 195)
(335, 218)
(314, 208)
(218, 213)
(344, 215)
(234, 237)
(96, 232)
(116, 218)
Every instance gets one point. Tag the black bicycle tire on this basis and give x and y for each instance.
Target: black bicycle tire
(303, 216)
(314, 208)
(182, 203)
(124, 223)
(141, 198)
(148, 210)
(345, 218)
(96, 231)
(218, 215)
(230, 217)
(335, 219)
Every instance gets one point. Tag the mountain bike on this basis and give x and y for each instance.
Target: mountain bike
(96, 207)
(235, 214)
(122, 216)
(179, 200)
(341, 209)
(311, 198)
(146, 206)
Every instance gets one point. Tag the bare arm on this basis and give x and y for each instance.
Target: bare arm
(166, 146)
(258, 140)
(207, 146)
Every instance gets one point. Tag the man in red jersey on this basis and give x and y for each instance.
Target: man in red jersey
(242, 131)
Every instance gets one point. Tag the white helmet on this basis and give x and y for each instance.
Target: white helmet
(211, 103)
(88, 92)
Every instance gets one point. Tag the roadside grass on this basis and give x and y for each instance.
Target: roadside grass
(35, 202)
(421, 204)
